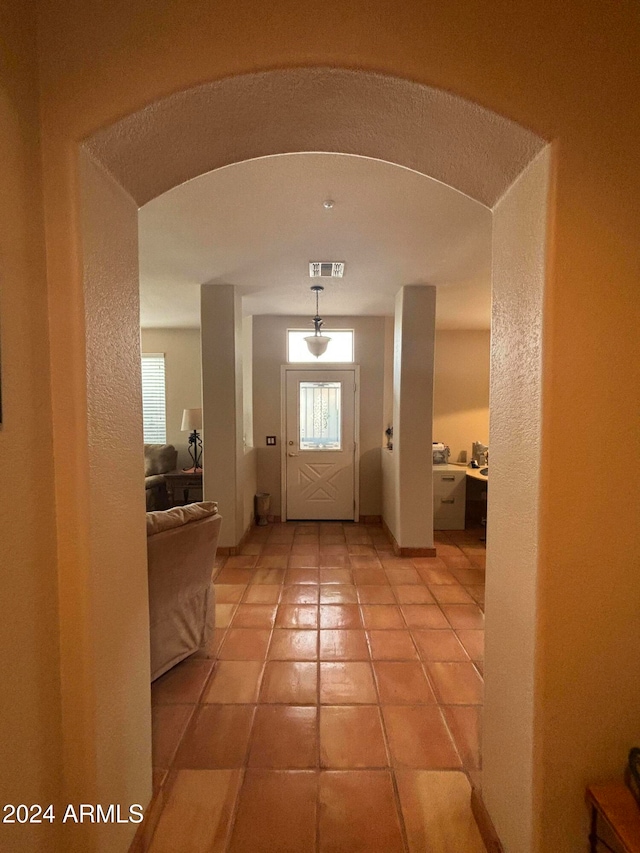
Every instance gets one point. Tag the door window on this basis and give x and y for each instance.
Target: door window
(320, 422)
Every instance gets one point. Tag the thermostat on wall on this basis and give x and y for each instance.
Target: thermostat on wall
(271, 441)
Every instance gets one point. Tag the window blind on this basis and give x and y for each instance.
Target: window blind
(154, 412)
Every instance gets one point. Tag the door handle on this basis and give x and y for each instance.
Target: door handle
(292, 454)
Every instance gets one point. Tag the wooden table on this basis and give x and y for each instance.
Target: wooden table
(614, 803)
(179, 484)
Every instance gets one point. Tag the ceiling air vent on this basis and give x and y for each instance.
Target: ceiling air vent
(326, 269)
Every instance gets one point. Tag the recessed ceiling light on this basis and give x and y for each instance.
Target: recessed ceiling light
(328, 204)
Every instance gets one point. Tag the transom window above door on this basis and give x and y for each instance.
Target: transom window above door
(340, 348)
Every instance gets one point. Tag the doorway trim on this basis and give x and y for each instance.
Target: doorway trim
(323, 367)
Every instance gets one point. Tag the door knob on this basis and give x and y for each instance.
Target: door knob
(292, 454)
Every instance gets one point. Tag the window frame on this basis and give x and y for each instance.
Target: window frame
(154, 433)
(322, 360)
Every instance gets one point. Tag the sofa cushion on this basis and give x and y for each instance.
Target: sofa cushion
(168, 519)
(159, 459)
(154, 480)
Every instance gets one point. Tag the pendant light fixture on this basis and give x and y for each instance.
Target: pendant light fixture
(317, 343)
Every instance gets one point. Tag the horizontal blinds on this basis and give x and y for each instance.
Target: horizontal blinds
(154, 412)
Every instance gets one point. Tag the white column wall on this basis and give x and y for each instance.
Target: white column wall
(411, 478)
(106, 703)
(222, 406)
(509, 745)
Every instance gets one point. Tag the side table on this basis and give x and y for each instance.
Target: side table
(615, 805)
(179, 484)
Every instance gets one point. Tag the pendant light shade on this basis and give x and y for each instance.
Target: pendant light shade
(317, 343)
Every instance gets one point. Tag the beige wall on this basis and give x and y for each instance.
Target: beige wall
(269, 353)
(461, 389)
(183, 375)
(30, 743)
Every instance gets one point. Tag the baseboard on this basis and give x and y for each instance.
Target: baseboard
(370, 519)
(399, 551)
(485, 824)
(234, 550)
(417, 552)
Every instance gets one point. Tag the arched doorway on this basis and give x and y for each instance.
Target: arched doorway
(183, 136)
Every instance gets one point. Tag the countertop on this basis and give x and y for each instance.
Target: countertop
(474, 473)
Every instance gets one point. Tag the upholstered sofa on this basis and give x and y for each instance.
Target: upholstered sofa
(181, 552)
(159, 459)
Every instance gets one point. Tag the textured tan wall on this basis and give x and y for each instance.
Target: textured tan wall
(183, 375)
(30, 725)
(461, 389)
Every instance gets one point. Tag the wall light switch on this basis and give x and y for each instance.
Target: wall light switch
(271, 441)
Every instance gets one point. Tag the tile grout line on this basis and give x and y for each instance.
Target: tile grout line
(392, 772)
(243, 770)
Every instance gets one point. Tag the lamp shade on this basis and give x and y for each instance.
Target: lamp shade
(317, 344)
(191, 419)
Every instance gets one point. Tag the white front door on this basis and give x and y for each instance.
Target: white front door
(320, 444)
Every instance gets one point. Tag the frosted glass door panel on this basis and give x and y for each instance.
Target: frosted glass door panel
(320, 426)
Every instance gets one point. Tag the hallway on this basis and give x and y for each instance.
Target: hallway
(338, 705)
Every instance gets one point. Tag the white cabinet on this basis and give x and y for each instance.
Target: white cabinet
(449, 493)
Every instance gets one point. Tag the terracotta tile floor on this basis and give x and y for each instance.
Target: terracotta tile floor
(338, 704)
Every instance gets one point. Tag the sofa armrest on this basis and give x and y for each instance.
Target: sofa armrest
(181, 561)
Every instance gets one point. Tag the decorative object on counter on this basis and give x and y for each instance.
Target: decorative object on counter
(479, 454)
(389, 433)
(441, 453)
(317, 343)
(632, 773)
(192, 422)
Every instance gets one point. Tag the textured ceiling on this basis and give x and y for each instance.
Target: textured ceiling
(258, 224)
(240, 118)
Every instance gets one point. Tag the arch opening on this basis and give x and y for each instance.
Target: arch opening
(485, 156)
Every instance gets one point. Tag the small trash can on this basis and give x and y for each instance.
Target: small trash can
(262, 504)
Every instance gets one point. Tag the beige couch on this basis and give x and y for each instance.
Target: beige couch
(181, 550)
(159, 459)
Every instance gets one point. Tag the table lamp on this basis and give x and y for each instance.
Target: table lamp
(192, 422)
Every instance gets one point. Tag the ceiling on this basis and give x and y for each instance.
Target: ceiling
(257, 224)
